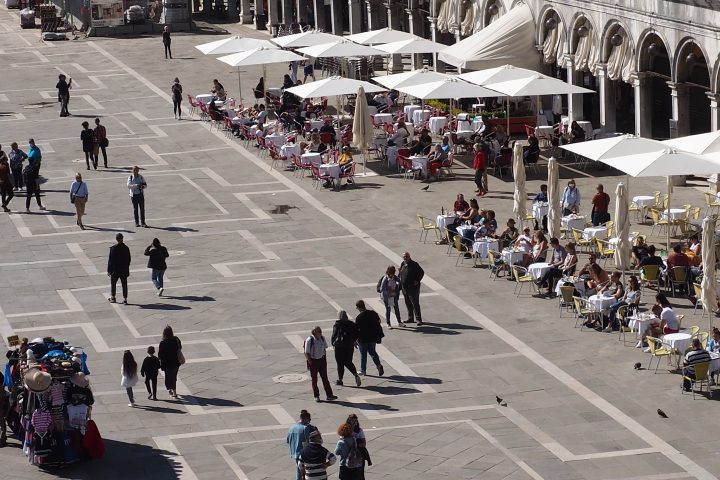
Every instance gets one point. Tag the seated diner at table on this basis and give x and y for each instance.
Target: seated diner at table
(215, 113)
(380, 101)
(287, 82)
(539, 249)
(472, 215)
(585, 271)
(491, 223)
(459, 208)
(598, 279)
(694, 251)
(667, 321)
(714, 347)
(678, 259)
(541, 197)
(259, 88)
(328, 129)
(523, 243)
(531, 153)
(315, 145)
(615, 289)
(630, 298)
(509, 235)
(346, 161)
(652, 259)
(438, 156)
(399, 138)
(423, 143)
(577, 133)
(218, 90)
(639, 250)
(562, 265)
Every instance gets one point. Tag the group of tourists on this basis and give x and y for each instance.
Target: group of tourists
(16, 175)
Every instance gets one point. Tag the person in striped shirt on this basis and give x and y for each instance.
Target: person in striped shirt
(315, 459)
(697, 355)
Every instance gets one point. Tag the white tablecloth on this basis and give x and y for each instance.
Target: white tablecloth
(372, 109)
(641, 323)
(571, 222)
(420, 162)
(289, 150)
(442, 221)
(595, 232)
(644, 200)
(538, 270)
(332, 169)
(545, 131)
(436, 124)
(463, 229)
(278, 140)
(510, 257)
(316, 124)
(601, 302)
(205, 98)
(481, 246)
(419, 116)
(383, 118)
(714, 363)
(540, 209)
(314, 158)
(587, 126)
(579, 285)
(674, 214)
(679, 340)
(409, 109)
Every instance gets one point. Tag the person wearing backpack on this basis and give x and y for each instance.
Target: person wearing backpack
(315, 348)
(351, 460)
(344, 338)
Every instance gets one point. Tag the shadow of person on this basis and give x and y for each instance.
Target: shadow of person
(163, 306)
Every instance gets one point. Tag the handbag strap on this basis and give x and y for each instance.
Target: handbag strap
(77, 189)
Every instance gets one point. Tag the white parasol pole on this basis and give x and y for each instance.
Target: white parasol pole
(239, 86)
(264, 88)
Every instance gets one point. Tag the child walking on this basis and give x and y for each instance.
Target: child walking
(149, 370)
(129, 375)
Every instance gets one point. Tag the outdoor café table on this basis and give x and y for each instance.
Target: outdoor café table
(311, 157)
(436, 124)
(601, 302)
(641, 323)
(573, 221)
(544, 131)
(511, 257)
(482, 245)
(538, 270)
(579, 285)
(409, 109)
(677, 342)
(372, 110)
(383, 118)
(205, 98)
(442, 221)
(644, 202)
(595, 232)
(290, 149)
(332, 169)
(277, 139)
(674, 214)
(316, 124)
(421, 163)
(714, 363)
(466, 228)
(540, 209)
(419, 116)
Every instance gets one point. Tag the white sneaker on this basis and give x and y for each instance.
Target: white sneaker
(131, 404)
(159, 291)
(607, 329)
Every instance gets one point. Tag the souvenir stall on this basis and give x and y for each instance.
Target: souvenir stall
(51, 402)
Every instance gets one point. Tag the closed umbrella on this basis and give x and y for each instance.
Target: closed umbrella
(362, 125)
(622, 220)
(708, 285)
(520, 197)
(554, 210)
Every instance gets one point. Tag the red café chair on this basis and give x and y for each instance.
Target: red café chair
(403, 154)
(297, 164)
(204, 113)
(277, 158)
(448, 163)
(327, 138)
(319, 178)
(350, 174)
(262, 146)
(193, 104)
(529, 131)
(228, 127)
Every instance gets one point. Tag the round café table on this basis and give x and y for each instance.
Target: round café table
(601, 302)
(483, 245)
(677, 342)
(595, 232)
(538, 270)
(674, 214)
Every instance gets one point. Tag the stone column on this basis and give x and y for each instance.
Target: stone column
(607, 101)
(301, 7)
(232, 11)
(336, 14)
(207, 8)
(245, 14)
(287, 12)
(643, 99)
(413, 58)
(319, 8)
(433, 37)
(273, 14)
(393, 15)
(714, 110)
(355, 19)
(370, 15)
(575, 102)
(680, 107)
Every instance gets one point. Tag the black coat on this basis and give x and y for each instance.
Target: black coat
(369, 327)
(411, 274)
(150, 367)
(157, 257)
(119, 260)
(345, 334)
(168, 353)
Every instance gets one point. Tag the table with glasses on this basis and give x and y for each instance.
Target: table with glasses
(512, 257)
(419, 116)
(311, 157)
(641, 323)
(540, 209)
(591, 233)
(573, 222)
(420, 162)
(677, 342)
(276, 139)
(442, 221)
(290, 149)
(601, 302)
(538, 270)
(409, 109)
(674, 214)
(383, 118)
(483, 245)
(436, 124)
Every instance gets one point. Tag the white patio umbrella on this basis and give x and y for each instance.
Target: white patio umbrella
(451, 87)
(414, 77)
(260, 56)
(615, 147)
(234, 44)
(622, 220)
(305, 39)
(362, 125)
(383, 35)
(702, 144)
(554, 210)
(708, 286)
(520, 197)
(332, 86)
(411, 45)
(340, 48)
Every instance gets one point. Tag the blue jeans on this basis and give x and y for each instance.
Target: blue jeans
(389, 304)
(157, 278)
(613, 311)
(366, 348)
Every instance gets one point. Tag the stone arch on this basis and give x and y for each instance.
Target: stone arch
(644, 58)
(692, 77)
(485, 9)
(715, 78)
(547, 12)
(611, 28)
(577, 21)
(682, 72)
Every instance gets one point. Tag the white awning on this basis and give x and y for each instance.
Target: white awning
(508, 40)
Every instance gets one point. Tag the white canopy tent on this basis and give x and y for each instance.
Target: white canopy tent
(406, 79)
(306, 39)
(383, 35)
(510, 39)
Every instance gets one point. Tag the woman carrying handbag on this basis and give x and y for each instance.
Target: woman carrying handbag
(171, 358)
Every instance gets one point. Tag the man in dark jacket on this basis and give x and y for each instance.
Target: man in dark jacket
(118, 267)
(370, 333)
(344, 336)
(411, 274)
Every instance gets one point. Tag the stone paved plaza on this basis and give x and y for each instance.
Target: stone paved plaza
(245, 286)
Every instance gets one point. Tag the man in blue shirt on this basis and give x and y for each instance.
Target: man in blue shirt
(298, 436)
(34, 155)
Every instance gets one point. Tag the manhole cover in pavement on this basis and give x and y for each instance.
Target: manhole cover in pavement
(290, 378)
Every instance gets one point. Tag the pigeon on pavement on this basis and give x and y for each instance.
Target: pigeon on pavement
(661, 413)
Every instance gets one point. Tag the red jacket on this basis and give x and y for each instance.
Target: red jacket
(479, 161)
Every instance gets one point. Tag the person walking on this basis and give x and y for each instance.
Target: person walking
(156, 262)
(87, 137)
(359, 435)
(63, 89)
(315, 459)
(570, 199)
(79, 196)
(149, 370)
(101, 142)
(389, 289)
(129, 379)
(166, 41)
(344, 337)
(176, 90)
(118, 268)
(171, 358)
(351, 461)
(411, 274)
(136, 184)
(370, 333)
(16, 158)
(315, 349)
(480, 166)
(6, 184)
(30, 176)
(298, 436)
